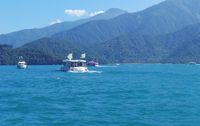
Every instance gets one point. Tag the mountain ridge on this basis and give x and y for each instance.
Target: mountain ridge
(165, 33)
(158, 23)
(21, 37)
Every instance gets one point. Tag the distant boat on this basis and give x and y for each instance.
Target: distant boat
(70, 65)
(21, 63)
(93, 63)
(192, 63)
(117, 64)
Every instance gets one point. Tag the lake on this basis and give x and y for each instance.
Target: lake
(124, 95)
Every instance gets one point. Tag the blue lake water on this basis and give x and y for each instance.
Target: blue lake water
(125, 95)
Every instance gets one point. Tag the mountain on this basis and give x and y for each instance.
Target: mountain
(5, 54)
(109, 14)
(19, 38)
(166, 17)
(164, 33)
(182, 46)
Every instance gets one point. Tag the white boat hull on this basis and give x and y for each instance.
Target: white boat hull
(74, 69)
(21, 66)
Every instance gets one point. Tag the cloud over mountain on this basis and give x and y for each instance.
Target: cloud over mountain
(96, 13)
(81, 12)
(56, 22)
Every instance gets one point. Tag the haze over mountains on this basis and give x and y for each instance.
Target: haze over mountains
(165, 33)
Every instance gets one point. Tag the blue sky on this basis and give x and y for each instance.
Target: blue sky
(25, 14)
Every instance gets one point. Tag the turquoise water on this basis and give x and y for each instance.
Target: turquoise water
(125, 95)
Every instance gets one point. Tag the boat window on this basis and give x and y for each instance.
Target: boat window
(77, 64)
(83, 64)
(80, 63)
(74, 64)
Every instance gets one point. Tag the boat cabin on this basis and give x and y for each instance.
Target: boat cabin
(74, 63)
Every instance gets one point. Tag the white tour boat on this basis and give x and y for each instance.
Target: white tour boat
(70, 65)
(21, 63)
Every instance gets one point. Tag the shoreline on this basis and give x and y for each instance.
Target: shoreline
(111, 64)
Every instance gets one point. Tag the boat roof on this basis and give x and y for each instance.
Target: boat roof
(74, 61)
(21, 62)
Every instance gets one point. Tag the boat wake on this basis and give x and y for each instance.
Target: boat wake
(90, 71)
(94, 71)
(106, 66)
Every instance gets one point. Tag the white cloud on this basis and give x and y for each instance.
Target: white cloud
(77, 13)
(80, 13)
(95, 13)
(56, 22)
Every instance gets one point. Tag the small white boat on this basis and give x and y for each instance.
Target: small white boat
(93, 63)
(192, 63)
(21, 63)
(117, 64)
(70, 65)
